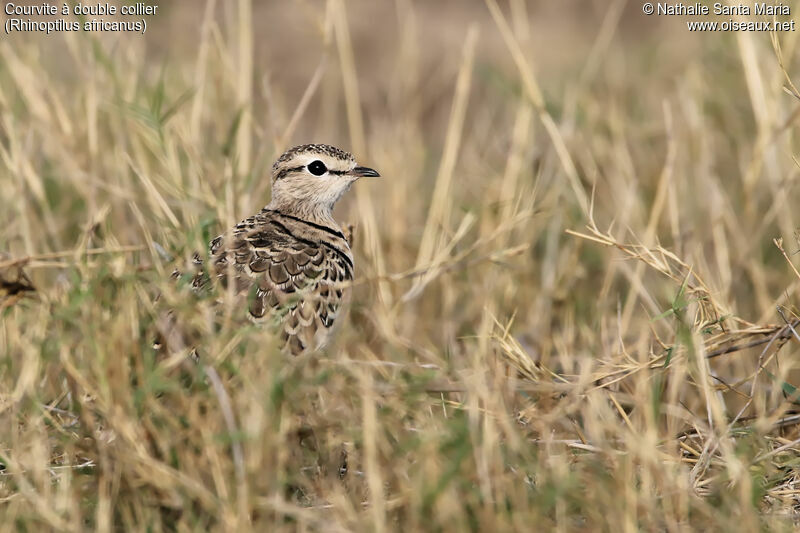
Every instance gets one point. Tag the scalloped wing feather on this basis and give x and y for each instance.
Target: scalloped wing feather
(292, 277)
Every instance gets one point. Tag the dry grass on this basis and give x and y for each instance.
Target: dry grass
(576, 285)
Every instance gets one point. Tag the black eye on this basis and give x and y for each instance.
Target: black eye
(317, 168)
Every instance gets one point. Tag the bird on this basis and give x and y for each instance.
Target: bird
(290, 264)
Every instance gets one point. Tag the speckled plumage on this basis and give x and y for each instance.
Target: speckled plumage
(319, 149)
(290, 262)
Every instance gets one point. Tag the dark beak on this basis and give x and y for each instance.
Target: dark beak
(364, 172)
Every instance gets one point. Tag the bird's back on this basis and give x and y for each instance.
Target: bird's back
(291, 272)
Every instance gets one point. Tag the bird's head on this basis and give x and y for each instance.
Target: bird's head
(312, 177)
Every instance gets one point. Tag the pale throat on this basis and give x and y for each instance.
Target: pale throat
(311, 210)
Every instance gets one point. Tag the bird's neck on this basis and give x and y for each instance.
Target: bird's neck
(316, 212)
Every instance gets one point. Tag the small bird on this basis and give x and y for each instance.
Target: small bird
(291, 260)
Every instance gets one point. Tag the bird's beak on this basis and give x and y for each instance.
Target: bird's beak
(364, 172)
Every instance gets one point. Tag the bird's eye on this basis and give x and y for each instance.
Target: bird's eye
(317, 168)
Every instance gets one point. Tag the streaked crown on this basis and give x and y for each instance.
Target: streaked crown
(308, 179)
(295, 158)
(315, 149)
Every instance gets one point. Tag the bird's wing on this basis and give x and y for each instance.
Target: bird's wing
(290, 279)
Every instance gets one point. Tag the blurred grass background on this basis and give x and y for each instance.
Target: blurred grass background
(578, 206)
